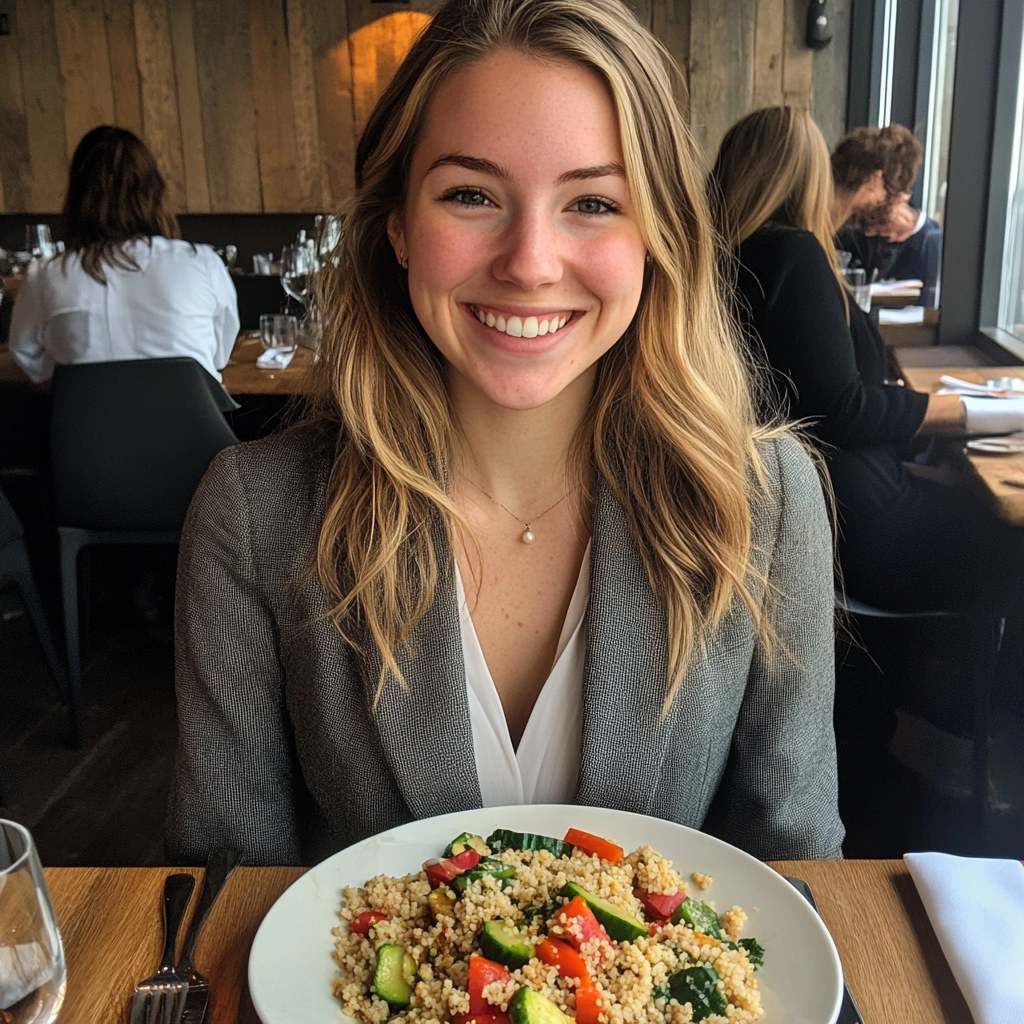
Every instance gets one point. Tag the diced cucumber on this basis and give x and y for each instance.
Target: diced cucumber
(503, 839)
(698, 986)
(503, 872)
(529, 1007)
(620, 926)
(505, 945)
(699, 916)
(466, 841)
(394, 976)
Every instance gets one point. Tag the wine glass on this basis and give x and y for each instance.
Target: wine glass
(279, 332)
(298, 265)
(32, 970)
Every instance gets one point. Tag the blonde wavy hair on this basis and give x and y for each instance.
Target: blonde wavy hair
(774, 165)
(671, 427)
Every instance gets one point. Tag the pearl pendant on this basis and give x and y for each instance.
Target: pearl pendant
(528, 537)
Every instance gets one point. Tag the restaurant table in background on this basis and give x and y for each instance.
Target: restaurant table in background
(992, 470)
(241, 376)
(110, 921)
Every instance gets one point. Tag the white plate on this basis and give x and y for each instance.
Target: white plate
(290, 966)
(997, 445)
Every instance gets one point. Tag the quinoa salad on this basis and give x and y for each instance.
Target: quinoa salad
(528, 929)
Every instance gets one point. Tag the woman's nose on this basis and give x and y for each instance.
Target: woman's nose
(530, 254)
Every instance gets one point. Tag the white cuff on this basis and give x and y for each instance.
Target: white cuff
(993, 415)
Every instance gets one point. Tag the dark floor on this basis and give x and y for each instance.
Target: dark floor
(104, 805)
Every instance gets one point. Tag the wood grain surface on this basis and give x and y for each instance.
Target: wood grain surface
(992, 470)
(256, 105)
(240, 377)
(111, 925)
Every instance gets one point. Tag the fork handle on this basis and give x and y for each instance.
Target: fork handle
(218, 870)
(177, 893)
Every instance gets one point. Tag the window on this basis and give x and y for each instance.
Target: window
(1011, 290)
(941, 65)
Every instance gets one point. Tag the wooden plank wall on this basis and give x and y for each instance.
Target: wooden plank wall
(255, 105)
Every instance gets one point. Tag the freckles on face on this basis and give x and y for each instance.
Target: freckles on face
(525, 255)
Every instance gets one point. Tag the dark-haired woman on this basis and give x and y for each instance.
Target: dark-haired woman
(128, 287)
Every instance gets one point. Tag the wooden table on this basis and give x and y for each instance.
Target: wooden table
(112, 938)
(241, 376)
(991, 469)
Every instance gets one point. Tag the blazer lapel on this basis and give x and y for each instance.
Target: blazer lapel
(424, 728)
(624, 737)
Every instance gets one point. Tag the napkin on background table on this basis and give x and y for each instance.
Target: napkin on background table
(275, 359)
(976, 906)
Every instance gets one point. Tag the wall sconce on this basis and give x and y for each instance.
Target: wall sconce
(819, 33)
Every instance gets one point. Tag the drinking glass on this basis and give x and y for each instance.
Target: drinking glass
(298, 265)
(38, 240)
(856, 281)
(32, 972)
(279, 332)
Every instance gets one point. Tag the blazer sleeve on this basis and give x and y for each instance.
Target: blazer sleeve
(234, 779)
(804, 329)
(778, 796)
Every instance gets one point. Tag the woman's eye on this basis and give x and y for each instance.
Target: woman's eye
(466, 197)
(592, 205)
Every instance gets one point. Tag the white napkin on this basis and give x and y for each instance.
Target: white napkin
(275, 359)
(22, 970)
(976, 907)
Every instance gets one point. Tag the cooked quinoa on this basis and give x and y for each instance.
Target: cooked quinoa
(627, 974)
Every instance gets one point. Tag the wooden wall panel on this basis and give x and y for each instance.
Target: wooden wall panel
(44, 103)
(124, 64)
(256, 105)
(158, 90)
(275, 115)
(15, 159)
(224, 62)
(84, 67)
(190, 113)
(308, 177)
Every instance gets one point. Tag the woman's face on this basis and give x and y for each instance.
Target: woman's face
(524, 254)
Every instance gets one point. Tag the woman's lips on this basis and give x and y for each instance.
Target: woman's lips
(515, 326)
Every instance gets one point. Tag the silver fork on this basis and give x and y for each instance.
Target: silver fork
(161, 998)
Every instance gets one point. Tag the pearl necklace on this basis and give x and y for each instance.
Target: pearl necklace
(528, 535)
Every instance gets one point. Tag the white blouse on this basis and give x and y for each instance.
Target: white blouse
(180, 302)
(545, 769)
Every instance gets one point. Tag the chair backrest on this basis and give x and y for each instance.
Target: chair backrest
(130, 441)
(10, 524)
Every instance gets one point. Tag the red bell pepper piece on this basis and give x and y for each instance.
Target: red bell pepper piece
(482, 972)
(576, 923)
(482, 1018)
(362, 924)
(560, 954)
(595, 845)
(589, 1004)
(657, 905)
(441, 872)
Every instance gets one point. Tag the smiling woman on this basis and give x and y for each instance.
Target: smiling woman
(530, 545)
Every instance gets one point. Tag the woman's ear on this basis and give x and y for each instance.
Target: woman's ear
(396, 235)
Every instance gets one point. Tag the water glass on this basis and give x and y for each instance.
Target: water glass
(38, 241)
(279, 332)
(856, 281)
(32, 972)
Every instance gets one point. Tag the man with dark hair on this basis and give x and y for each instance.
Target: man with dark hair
(874, 170)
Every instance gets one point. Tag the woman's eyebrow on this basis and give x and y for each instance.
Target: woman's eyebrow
(482, 166)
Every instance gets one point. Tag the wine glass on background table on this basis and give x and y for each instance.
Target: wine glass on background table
(32, 970)
(298, 265)
(39, 242)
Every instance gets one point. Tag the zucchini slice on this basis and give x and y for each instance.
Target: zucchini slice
(394, 976)
(700, 917)
(505, 945)
(503, 839)
(463, 842)
(620, 926)
(529, 1007)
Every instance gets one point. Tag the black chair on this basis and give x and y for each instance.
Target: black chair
(129, 443)
(987, 630)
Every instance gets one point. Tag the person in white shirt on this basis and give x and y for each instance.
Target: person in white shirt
(127, 287)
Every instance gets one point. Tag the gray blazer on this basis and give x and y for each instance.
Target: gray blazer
(283, 755)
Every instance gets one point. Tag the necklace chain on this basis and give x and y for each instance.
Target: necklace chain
(528, 535)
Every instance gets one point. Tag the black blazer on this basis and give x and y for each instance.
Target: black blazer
(284, 755)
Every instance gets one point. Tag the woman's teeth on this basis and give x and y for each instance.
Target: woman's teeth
(523, 327)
